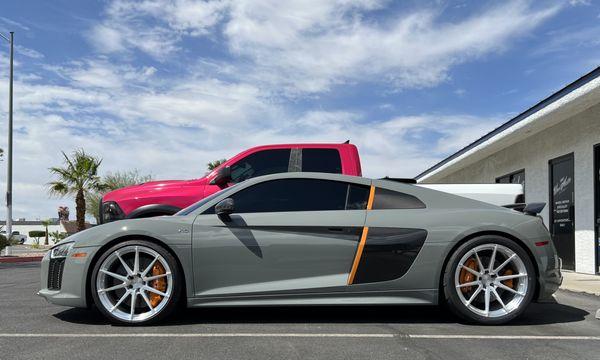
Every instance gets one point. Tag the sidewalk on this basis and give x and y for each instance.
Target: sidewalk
(585, 283)
(23, 253)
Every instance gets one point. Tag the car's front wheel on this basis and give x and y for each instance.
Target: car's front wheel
(136, 282)
(489, 280)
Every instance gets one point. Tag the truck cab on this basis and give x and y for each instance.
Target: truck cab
(166, 197)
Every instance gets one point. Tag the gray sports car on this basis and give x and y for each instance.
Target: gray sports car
(311, 239)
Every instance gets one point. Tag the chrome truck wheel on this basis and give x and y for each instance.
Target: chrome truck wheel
(135, 282)
(489, 280)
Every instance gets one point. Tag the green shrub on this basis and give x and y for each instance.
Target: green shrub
(58, 236)
(3, 242)
(37, 234)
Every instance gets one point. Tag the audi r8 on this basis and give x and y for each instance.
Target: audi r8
(311, 239)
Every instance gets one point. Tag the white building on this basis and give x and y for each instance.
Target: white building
(553, 149)
(23, 227)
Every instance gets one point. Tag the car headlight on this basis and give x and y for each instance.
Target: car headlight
(61, 251)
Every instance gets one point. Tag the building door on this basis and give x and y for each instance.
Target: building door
(597, 202)
(562, 208)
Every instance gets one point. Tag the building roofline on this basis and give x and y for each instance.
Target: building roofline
(592, 75)
(29, 222)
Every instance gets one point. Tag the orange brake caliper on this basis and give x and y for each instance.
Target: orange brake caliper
(159, 284)
(467, 277)
(508, 282)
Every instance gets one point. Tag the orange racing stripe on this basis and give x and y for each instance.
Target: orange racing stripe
(361, 246)
(371, 198)
(363, 240)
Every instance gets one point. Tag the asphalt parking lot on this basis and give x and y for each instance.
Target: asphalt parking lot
(30, 328)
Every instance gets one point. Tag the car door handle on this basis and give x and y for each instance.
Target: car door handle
(336, 229)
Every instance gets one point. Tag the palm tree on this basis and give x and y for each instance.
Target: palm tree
(78, 176)
(46, 223)
(114, 181)
(215, 164)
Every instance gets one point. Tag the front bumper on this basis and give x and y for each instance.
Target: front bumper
(69, 287)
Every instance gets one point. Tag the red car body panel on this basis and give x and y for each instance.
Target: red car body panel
(182, 193)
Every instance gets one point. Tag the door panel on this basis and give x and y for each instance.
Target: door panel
(273, 252)
(388, 253)
(562, 214)
(259, 163)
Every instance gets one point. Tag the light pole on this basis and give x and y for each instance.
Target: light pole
(9, 151)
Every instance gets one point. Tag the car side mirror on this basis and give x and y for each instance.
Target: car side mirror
(225, 208)
(223, 176)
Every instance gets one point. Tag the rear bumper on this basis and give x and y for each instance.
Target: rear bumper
(549, 281)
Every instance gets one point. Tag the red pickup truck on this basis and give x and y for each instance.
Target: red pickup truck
(167, 197)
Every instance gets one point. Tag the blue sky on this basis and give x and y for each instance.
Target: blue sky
(166, 86)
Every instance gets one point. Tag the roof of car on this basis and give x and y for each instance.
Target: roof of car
(310, 175)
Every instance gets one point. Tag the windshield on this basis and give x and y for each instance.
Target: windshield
(200, 203)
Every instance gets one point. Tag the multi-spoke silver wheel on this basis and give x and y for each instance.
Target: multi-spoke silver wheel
(134, 283)
(491, 280)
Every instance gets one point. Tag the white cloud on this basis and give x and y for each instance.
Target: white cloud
(107, 38)
(13, 24)
(309, 46)
(333, 44)
(153, 26)
(31, 53)
(580, 2)
(568, 40)
(101, 73)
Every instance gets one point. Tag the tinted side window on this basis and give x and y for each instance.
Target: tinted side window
(321, 160)
(294, 195)
(388, 199)
(358, 196)
(260, 163)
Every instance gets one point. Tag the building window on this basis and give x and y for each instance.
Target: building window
(517, 177)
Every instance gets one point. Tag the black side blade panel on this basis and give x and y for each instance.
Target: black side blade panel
(388, 253)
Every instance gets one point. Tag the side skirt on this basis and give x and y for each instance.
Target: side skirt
(403, 297)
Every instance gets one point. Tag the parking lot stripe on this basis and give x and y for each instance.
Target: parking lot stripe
(505, 337)
(200, 335)
(301, 335)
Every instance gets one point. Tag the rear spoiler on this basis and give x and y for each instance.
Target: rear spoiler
(529, 209)
(400, 180)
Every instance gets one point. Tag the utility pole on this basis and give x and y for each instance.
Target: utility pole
(9, 152)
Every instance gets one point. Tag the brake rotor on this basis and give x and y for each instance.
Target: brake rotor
(159, 284)
(466, 276)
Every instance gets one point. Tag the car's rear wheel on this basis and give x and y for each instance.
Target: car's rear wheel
(136, 282)
(489, 280)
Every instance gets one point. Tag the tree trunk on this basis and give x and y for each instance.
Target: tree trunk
(46, 240)
(80, 210)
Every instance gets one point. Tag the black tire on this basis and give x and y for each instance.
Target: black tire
(172, 302)
(451, 297)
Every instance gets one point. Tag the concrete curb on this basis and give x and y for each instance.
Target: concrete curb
(578, 291)
(19, 259)
(581, 283)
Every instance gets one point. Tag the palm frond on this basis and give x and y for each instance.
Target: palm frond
(79, 172)
(59, 188)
